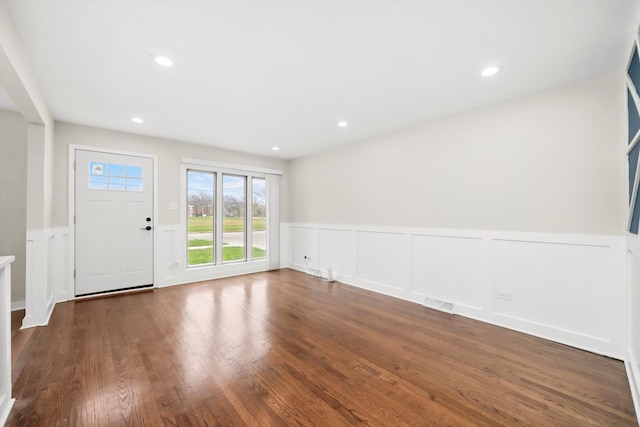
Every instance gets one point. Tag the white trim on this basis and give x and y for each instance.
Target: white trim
(5, 410)
(219, 219)
(6, 402)
(632, 50)
(631, 86)
(631, 89)
(212, 272)
(273, 242)
(562, 238)
(18, 305)
(630, 365)
(248, 217)
(633, 142)
(40, 258)
(217, 202)
(228, 166)
(633, 243)
(71, 208)
(634, 196)
(636, 100)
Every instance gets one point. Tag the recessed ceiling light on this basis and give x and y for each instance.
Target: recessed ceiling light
(343, 124)
(275, 148)
(490, 71)
(163, 60)
(137, 120)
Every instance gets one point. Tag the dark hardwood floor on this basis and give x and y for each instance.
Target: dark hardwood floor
(20, 341)
(282, 348)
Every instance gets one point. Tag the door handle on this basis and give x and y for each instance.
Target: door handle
(148, 227)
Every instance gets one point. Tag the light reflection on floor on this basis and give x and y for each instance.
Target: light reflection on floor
(220, 327)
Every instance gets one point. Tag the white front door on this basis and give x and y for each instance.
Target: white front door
(113, 222)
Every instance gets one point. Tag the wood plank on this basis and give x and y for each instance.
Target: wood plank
(20, 340)
(282, 348)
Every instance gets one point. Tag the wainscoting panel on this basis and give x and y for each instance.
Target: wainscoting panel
(382, 259)
(167, 259)
(563, 287)
(571, 280)
(337, 251)
(303, 242)
(437, 272)
(40, 277)
(58, 269)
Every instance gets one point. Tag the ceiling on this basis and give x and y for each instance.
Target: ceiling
(250, 75)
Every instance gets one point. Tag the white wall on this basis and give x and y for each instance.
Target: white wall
(515, 214)
(13, 199)
(548, 163)
(169, 154)
(18, 79)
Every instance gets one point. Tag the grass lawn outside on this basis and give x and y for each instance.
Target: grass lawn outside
(229, 253)
(200, 242)
(205, 224)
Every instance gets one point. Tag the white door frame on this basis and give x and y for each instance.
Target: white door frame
(71, 209)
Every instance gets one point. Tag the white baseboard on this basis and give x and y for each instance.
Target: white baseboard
(17, 305)
(630, 365)
(30, 321)
(5, 408)
(192, 275)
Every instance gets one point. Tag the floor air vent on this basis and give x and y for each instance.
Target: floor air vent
(437, 304)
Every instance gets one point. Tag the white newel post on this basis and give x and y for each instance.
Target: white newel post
(6, 401)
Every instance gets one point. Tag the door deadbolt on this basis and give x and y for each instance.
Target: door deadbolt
(148, 227)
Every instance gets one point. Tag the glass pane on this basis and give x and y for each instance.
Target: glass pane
(97, 182)
(116, 169)
(200, 217)
(233, 213)
(134, 184)
(134, 171)
(259, 218)
(116, 183)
